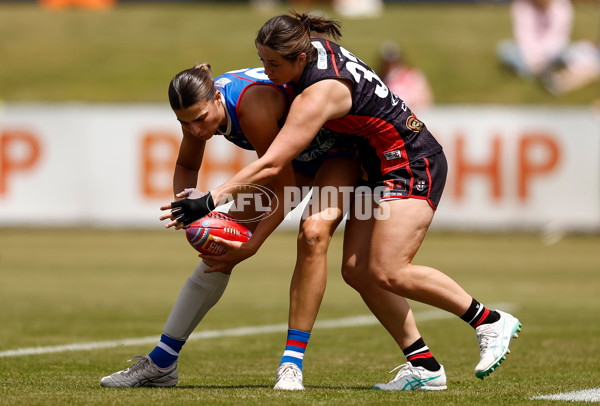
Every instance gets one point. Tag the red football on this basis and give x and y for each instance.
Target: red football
(201, 232)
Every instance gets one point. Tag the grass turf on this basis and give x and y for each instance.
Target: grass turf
(130, 53)
(75, 286)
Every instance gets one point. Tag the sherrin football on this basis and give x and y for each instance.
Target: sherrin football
(201, 232)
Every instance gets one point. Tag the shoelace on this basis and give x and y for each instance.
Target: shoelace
(485, 335)
(406, 369)
(289, 372)
(137, 358)
(139, 364)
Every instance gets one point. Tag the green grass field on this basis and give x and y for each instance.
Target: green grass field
(65, 286)
(78, 286)
(130, 54)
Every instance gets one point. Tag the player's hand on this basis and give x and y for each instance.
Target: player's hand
(192, 205)
(235, 252)
(190, 193)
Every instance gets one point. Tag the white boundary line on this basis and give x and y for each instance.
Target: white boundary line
(586, 395)
(356, 321)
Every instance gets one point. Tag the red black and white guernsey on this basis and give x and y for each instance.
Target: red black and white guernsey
(391, 137)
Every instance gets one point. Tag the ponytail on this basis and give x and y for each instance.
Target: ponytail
(321, 25)
(192, 86)
(289, 35)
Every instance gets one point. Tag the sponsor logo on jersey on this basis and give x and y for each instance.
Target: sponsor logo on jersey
(414, 124)
(390, 155)
(321, 55)
(421, 185)
(322, 143)
(222, 82)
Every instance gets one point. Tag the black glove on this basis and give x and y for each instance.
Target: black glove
(186, 211)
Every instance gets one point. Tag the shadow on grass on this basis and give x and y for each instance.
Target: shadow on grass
(309, 387)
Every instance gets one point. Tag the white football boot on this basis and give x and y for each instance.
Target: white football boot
(415, 378)
(143, 373)
(289, 377)
(494, 339)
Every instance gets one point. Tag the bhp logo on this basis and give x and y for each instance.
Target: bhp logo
(508, 166)
(20, 153)
(534, 155)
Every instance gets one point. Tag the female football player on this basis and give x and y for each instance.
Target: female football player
(248, 110)
(405, 166)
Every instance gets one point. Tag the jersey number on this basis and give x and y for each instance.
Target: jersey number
(356, 69)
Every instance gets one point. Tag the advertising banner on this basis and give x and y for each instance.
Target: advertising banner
(112, 166)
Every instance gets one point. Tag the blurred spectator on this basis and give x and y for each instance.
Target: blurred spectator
(406, 81)
(358, 8)
(580, 65)
(345, 8)
(542, 30)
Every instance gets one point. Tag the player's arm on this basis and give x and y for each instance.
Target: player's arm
(322, 101)
(260, 110)
(188, 163)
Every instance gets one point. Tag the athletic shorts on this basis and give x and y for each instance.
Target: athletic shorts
(423, 179)
(343, 147)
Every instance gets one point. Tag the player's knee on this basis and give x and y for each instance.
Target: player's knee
(314, 236)
(349, 273)
(397, 279)
(384, 280)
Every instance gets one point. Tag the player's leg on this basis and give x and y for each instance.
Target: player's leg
(395, 241)
(200, 292)
(332, 189)
(391, 310)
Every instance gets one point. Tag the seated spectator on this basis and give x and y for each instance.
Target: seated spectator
(408, 82)
(542, 30)
(580, 65)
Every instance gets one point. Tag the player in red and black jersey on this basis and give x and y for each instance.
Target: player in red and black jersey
(405, 165)
(396, 137)
(396, 148)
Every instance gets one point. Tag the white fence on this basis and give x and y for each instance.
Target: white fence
(111, 165)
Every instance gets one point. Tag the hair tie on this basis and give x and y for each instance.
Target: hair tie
(304, 18)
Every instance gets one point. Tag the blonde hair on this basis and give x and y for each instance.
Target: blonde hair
(191, 86)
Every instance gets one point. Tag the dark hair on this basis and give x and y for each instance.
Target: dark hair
(192, 86)
(289, 35)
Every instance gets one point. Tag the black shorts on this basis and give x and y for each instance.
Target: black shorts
(423, 179)
(343, 147)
